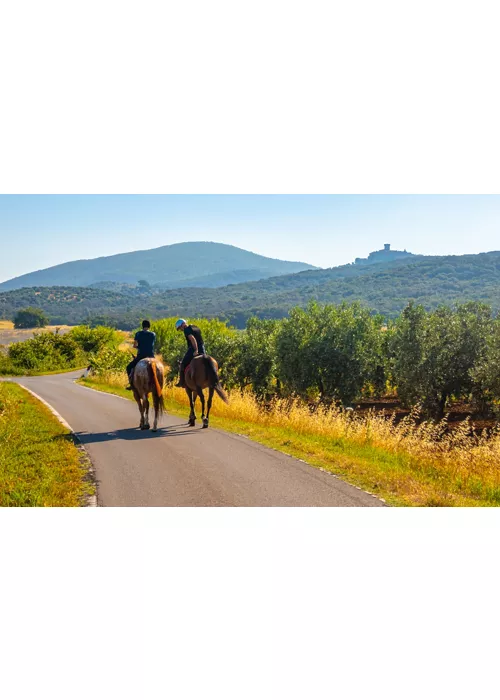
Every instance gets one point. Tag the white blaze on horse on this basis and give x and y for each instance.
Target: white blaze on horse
(148, 379)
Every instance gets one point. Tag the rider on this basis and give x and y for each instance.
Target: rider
(195, 343)
(144, 341)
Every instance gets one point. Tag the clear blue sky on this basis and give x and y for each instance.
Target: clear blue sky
(37, 231)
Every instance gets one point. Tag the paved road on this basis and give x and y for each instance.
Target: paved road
(182, 466)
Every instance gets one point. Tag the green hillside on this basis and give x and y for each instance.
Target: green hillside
(385, 289)
(178, 265)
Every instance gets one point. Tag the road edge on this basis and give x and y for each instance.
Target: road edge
(85, 461)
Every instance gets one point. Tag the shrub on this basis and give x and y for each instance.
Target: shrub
(30, 318)
(46, 352)
(92, 340)
(108, 359)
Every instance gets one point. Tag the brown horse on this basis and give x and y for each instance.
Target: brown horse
(148, 379)
(203, 373)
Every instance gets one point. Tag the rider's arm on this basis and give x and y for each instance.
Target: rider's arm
(193, 342)
(136, 344)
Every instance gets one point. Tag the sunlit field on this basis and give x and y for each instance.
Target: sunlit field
(9, 334)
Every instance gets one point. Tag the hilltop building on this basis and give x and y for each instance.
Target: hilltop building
(385, 255)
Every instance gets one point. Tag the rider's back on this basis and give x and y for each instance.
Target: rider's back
(145, 343)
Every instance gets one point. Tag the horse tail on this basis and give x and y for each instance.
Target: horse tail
(213, 377)
(155, 382)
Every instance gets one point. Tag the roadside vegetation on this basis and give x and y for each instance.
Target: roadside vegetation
(53, 351)
(39, 462)
(293, 382)
(310, 385)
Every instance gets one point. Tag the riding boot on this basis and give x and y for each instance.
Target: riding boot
(181, 384)
(129, 387)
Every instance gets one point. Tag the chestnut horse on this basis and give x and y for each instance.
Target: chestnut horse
(203, 373)
(148, 379)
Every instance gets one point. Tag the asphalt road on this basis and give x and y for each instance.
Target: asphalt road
(182, 466)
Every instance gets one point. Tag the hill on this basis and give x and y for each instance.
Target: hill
(385, 288)
(178, 265)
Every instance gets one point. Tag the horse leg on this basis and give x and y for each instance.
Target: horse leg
(209, 405)
(141, 410)
(156, 403)
(192, 415)
(146, 412)
(202, 399)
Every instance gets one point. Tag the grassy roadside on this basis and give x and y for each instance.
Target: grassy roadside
(39, 462)
(47, 373)
(409, 469)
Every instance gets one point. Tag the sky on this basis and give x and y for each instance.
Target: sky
(38, 231)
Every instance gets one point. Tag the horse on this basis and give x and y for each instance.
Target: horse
(148, 379)
(203, 373)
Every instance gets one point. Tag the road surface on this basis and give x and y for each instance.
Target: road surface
(182, 466)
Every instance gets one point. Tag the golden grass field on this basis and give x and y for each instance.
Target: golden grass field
(406, 464)
(9, 334)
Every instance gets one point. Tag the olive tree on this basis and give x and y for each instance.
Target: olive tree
(434, 354)
(333, 351)
(256, 357)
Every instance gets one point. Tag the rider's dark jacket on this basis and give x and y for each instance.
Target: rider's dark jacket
(194, 331)
(145, 347)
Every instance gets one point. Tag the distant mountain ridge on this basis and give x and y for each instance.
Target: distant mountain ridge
(190, 264)
(384, 288)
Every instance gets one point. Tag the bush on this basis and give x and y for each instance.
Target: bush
(46, 352)
(92, 340)
(30, 318)
(108, 359)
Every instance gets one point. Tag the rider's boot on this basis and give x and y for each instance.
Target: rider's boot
(129, 387)
(181, 384)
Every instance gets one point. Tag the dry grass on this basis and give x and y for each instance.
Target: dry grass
(408, 463)
(9, 334)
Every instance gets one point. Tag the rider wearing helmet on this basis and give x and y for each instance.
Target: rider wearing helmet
(195, 344)
(144, 341)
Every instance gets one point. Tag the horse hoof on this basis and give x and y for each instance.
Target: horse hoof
(192, 423)
(154, 430)
(205, 422)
